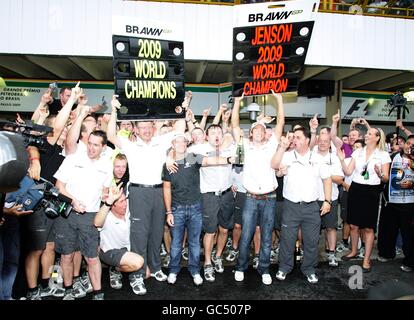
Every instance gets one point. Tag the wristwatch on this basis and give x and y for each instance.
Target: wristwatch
(328, 201)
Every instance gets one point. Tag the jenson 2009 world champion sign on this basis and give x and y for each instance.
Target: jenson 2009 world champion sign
(270, 44)
(149, 73)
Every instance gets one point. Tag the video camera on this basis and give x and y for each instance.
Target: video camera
(26, 130)
(35, 196)
(54, 203)
(397, 99)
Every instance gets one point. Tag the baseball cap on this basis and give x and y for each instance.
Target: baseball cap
(258, 123)
(181, 135)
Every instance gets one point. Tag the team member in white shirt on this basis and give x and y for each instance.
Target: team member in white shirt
(146, 157)
(300, 208)
(83, 178)
(113, 219)
(324, 155)
(370, 166)
(259, 180)
(217, 197)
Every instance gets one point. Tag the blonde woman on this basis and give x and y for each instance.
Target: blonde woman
(370, 167)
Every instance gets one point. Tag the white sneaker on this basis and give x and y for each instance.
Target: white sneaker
(137, 285)
(266, 279)
(312, 278)
(280, 275)
(333, 262)
(159, 276)
(239, 276)
(172, 278)
(197, 279)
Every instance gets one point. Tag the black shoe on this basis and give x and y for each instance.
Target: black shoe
(366, 270)
(348, 258)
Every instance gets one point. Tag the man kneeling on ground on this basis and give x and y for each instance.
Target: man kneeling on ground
(113, 219)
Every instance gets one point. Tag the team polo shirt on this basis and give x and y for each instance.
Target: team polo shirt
(85, 178)
(377, 157)
(145, 161)
(115, 233)
(303, 175)
(331, 160)
(258, 175)
(214, 178)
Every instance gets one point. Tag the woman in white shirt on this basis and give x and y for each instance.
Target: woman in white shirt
(370, 167)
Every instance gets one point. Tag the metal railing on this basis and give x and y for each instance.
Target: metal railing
(361, 7)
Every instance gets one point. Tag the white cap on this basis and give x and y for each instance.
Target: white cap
(181, 135)
(258, 123)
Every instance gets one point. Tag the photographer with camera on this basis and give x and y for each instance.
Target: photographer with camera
(39, 228)
(397, 208)
(84, 178)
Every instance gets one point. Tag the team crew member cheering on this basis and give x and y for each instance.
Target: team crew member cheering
(146, 157)
(371, 166)
(113, 219)
(300, 190)
(182, 199)
(83, 178)
(217, 198)
(259, 179)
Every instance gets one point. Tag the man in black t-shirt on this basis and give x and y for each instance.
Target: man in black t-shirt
(56, 105)
(182, 198)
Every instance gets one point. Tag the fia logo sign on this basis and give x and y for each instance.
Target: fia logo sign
(358, 109)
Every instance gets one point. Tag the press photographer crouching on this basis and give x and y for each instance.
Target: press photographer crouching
(397, 209)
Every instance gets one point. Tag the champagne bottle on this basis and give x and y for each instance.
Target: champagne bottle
(240, 153)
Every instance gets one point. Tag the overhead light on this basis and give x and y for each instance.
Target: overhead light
(253, 109)
(409, 95)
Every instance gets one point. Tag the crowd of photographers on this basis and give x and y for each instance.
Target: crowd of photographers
(140, 196)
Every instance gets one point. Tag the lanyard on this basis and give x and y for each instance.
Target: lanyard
(296, 158)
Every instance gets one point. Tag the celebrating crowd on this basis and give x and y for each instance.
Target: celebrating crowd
(184, 186)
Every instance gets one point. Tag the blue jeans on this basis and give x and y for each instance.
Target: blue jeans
(190, 217)
(262, 211)
(9, 256)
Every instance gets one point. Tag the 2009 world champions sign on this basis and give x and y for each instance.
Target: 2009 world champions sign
(270, 42)
(148, 68)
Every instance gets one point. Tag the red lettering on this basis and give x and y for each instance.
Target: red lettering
(272, 34)
(264, 87)
(268, 71)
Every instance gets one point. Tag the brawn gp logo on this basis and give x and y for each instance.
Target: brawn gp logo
(280, 15)
(146, 30)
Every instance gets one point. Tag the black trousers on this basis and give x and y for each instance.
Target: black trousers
(147, 210)
(395, 217)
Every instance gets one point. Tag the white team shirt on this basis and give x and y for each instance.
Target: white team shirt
(85, 179)
(258, 176)
(145, 161)
(115, 233)
(334, 166)
(214, 178)
(303, 175)
(377, 157)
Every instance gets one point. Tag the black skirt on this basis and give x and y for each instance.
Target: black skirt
(363, 204)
